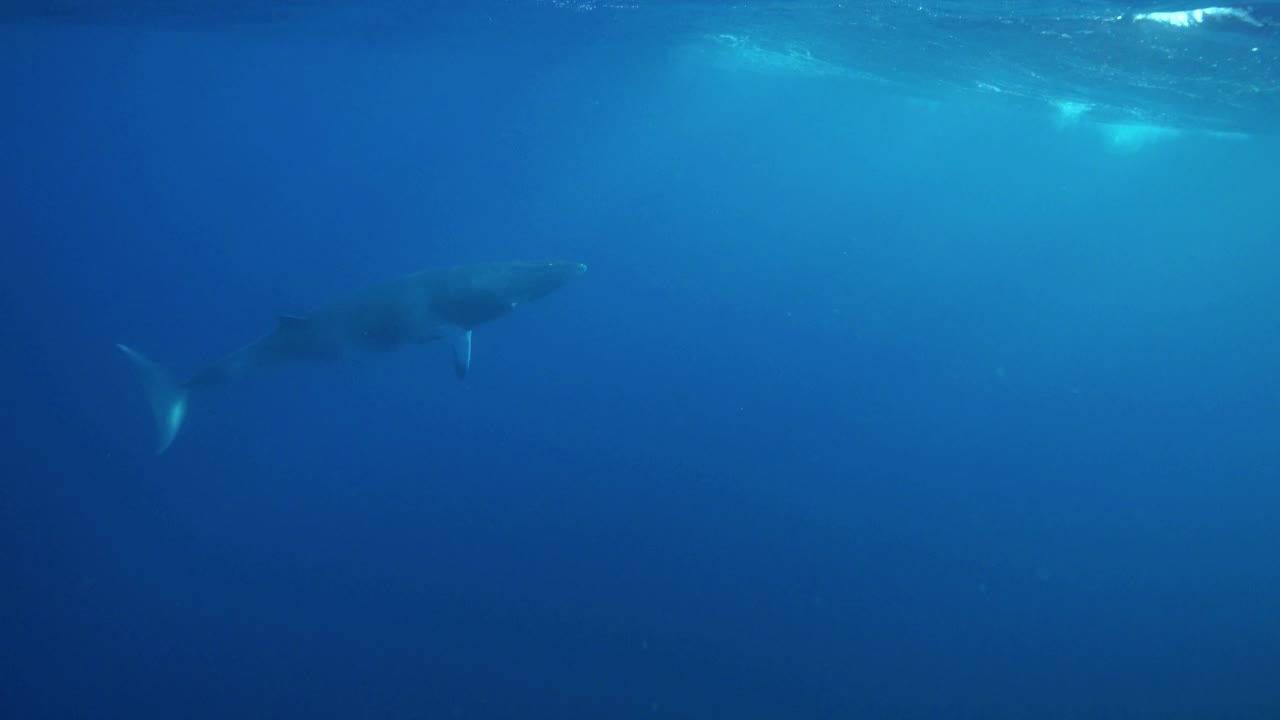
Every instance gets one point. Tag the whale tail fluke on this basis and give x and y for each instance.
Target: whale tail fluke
(167, 396)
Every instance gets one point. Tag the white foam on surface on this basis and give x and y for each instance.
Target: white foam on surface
(1134, 137)
(1070, 111)
(1193, 18)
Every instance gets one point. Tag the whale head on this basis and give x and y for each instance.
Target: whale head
(476, 294)
(525, 281)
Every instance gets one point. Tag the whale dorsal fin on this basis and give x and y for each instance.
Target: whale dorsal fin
(289, 322)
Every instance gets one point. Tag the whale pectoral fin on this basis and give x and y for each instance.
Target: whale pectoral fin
(460, 342)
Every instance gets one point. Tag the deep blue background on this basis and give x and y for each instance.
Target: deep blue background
(866, 408)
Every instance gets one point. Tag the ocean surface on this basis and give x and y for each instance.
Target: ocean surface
(927, 365)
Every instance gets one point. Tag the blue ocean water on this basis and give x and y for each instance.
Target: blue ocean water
(925, 366)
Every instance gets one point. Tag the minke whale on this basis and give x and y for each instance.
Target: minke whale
(443, 304)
